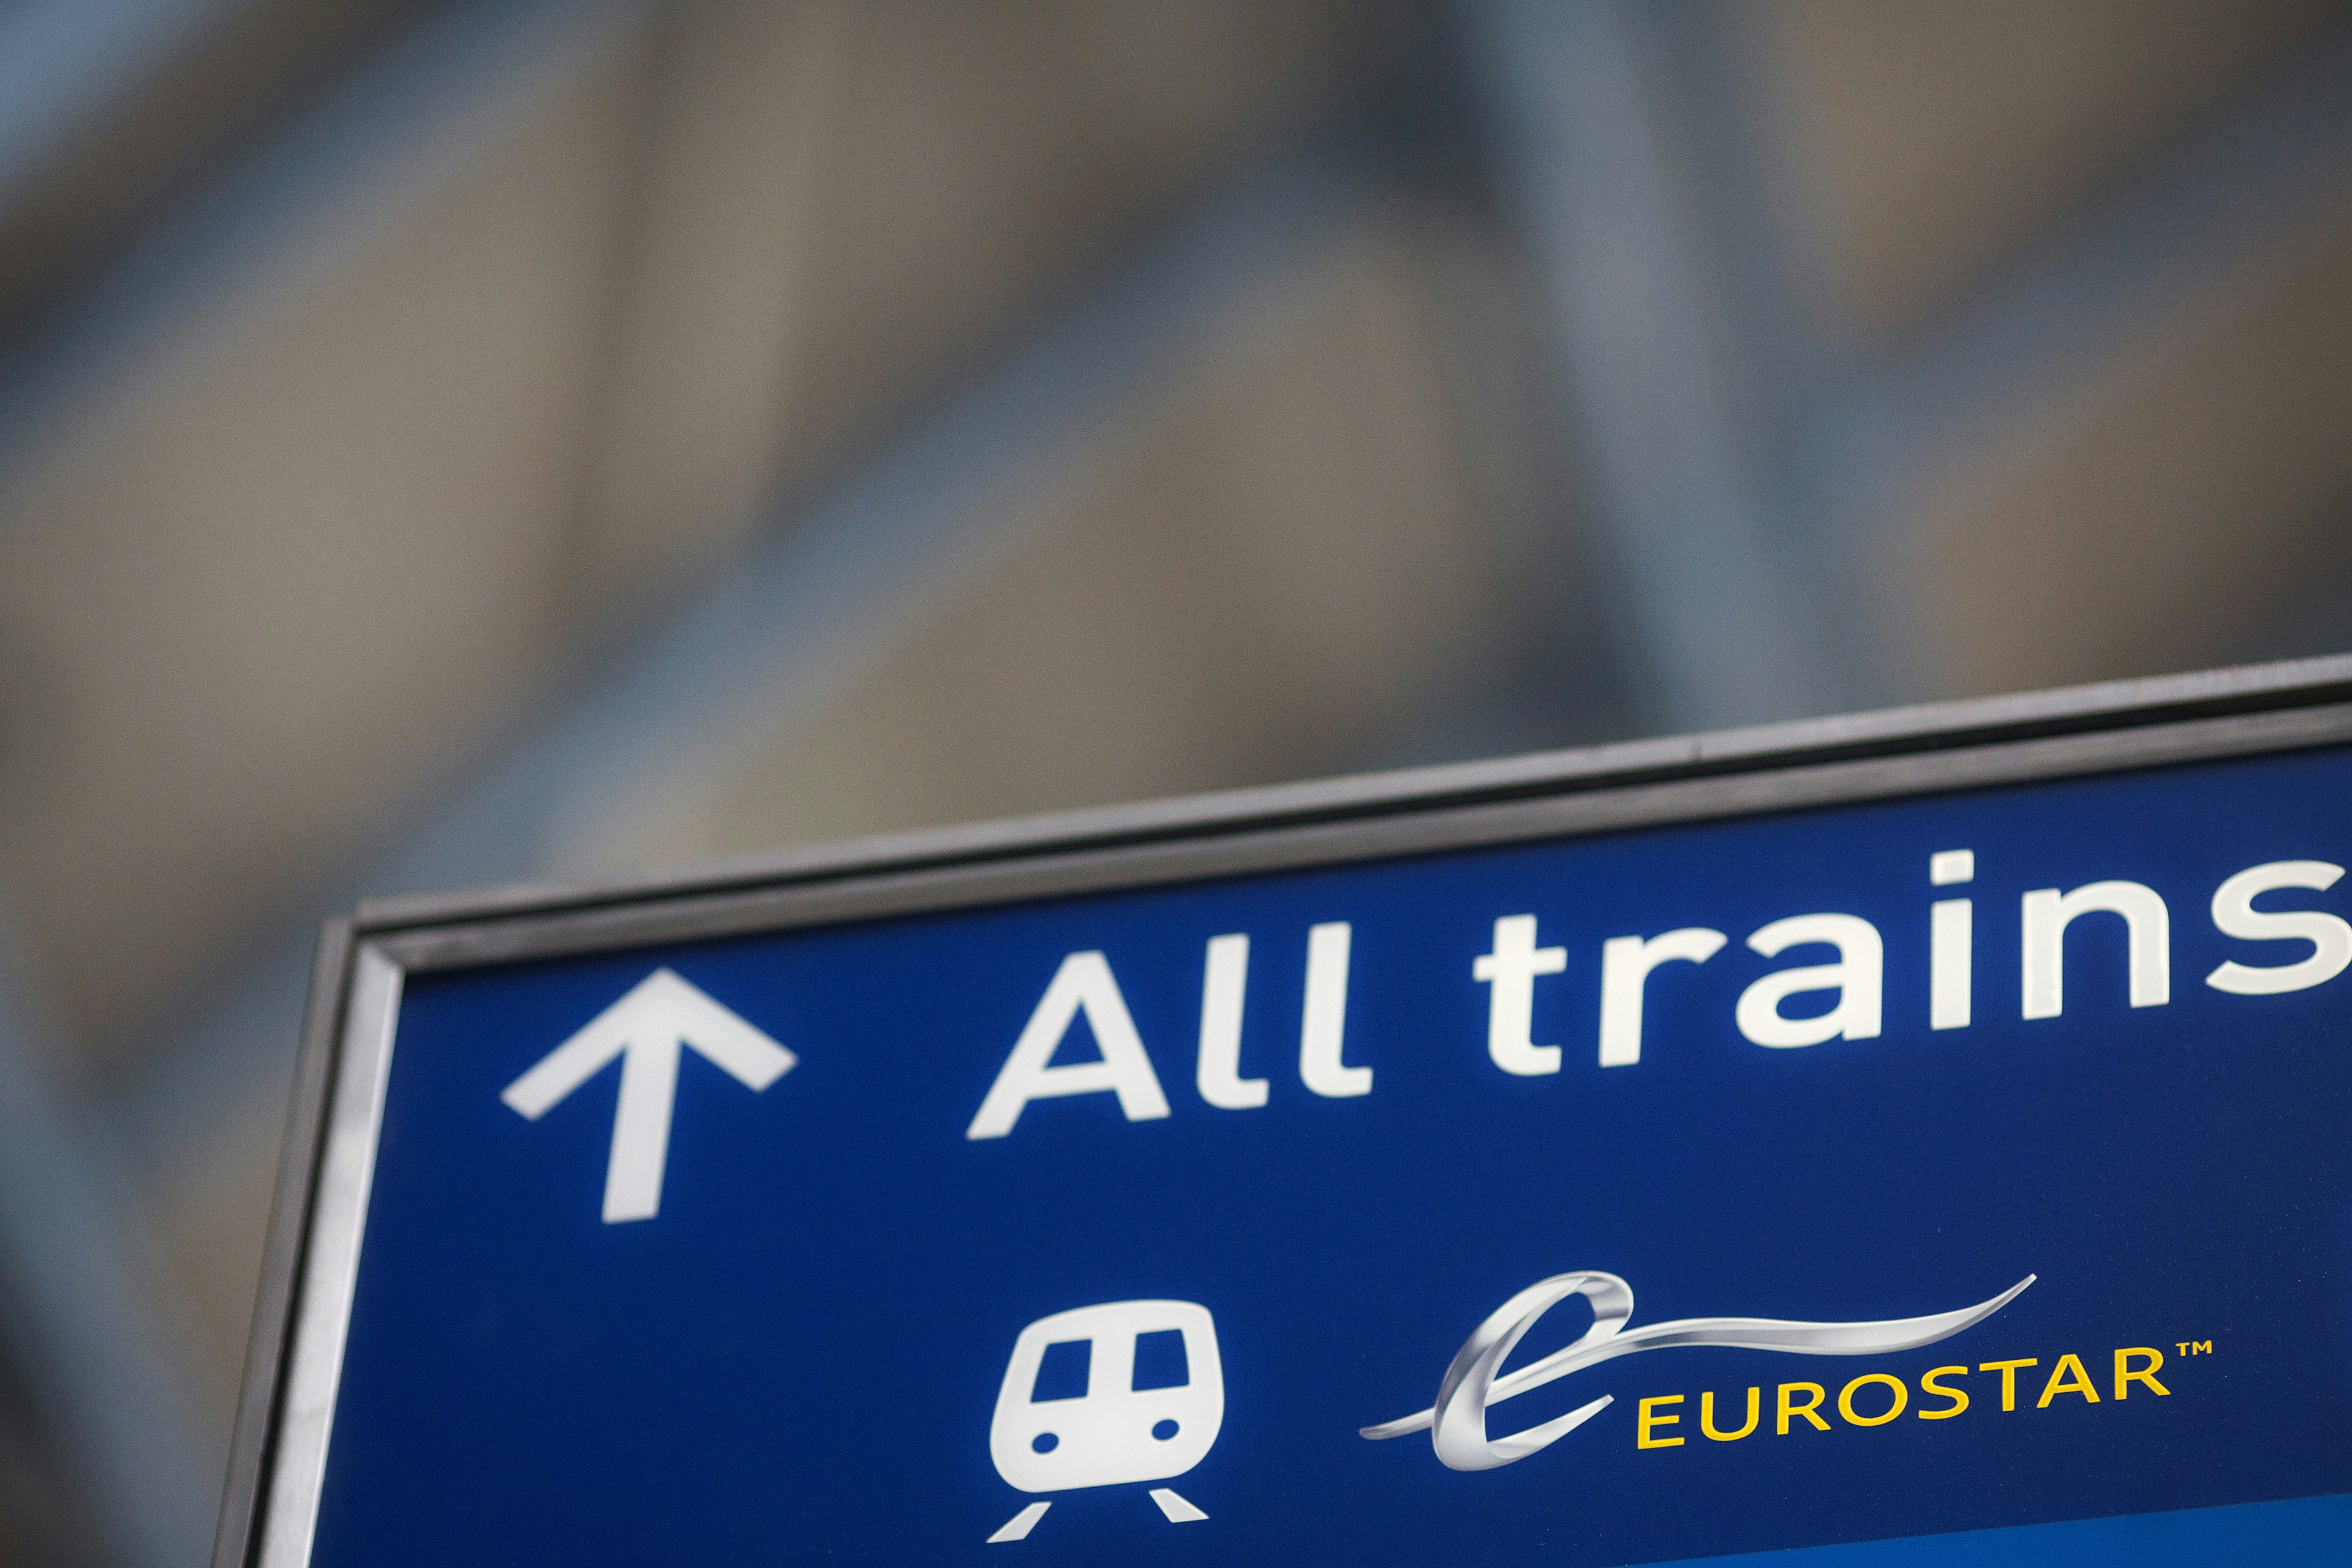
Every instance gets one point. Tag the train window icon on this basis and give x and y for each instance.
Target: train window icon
(1108, 1396)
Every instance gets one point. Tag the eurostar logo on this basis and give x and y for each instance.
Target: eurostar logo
(1474, 1381)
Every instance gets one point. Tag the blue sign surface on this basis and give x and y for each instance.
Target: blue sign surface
(1104, 1227)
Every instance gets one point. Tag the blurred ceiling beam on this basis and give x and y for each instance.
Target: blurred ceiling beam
(2229, 196)
(1656, 399)
(307, 198)
(65, 64)
(1744, 468)
(2189, 219)
(825, 584)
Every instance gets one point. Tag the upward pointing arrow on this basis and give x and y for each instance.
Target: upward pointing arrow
(646, 1028)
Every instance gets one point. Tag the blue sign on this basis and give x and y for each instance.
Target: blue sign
(1970, 1167)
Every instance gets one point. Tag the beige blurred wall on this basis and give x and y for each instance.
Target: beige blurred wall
(1272, 569)
(264, 593)
(2157, 515)
(1930, 142)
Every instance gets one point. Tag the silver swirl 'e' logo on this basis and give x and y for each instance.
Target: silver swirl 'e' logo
(1457, 1422)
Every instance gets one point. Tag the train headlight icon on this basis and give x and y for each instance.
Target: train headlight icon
(1104, 1396)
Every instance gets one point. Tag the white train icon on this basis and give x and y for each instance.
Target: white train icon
(1136, 1392)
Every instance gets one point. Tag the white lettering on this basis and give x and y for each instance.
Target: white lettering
(1511, 969)
(1951, 942)
(1858, 976)
(1855, 981)
(1219, 1075)
(1951, 963)
(2047, 913)
(2235, 915)
(1083, 984)
(1324, 1030)
(1625, 965)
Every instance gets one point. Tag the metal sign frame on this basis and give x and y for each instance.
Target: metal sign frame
(309, 1267)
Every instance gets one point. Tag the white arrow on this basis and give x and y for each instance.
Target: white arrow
(646, 1028)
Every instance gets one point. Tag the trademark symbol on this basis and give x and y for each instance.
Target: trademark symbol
(2193, 1347)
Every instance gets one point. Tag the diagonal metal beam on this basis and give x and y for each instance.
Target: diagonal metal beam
(2215, 201)
(65, 63)
(1654, 393)
(1745, 467)
(303, 202)
(2235, 196)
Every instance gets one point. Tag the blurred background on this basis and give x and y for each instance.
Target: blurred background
(448, 441)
